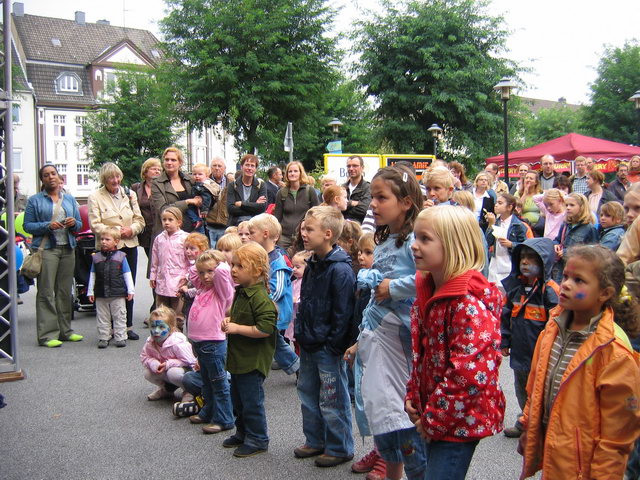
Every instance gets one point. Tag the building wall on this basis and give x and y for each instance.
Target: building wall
(24, 143)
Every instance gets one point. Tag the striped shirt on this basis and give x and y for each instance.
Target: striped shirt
(565, 346)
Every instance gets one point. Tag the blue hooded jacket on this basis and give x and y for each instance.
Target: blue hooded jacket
(283, 298)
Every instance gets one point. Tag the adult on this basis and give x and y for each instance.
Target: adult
(590, 164)
(19, 198)
(530, 187)
(111, 206)
(293, 201)
(172, 188)
(498, 185)
(579, 178)
(150, 170)
(358, 190)
(51, 216)
(247, 195)
(218, 216)
(274, 183)
(460, 180)
(634, 169)
(621, 184)
(523, 169)
(597, 195)
(548, 174)
(483, 202)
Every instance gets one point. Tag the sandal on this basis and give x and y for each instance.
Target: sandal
(185, 409)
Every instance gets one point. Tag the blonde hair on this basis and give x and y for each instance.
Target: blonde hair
(330, 193)
(148, 163)
(267, 222)
(231, 229)
(458, 231)
(167, 315)
(464, 198)
(613, 210)
(329, 219)
(113, 232)
(487, 175)
(229, 241)
(255, 260)
(584, 213)
(553, 194)
(302, 254)
(109, 170)
(304, 179)
(366, 241)
(175, 211)
(175, 150)
(198, 240)
(203, 166)
(440, 176)
(244, 224)
(210, 255)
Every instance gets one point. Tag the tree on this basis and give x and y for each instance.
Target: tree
(136, 122)
(550, 123)
(436, 61)
(611, 115)
(254, 65)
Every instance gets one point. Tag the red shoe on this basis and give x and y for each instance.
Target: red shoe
(366, 463)
(379, 471)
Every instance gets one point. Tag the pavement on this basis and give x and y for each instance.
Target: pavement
(82, 413)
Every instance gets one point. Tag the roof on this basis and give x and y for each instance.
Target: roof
(43, 78)
(79, 44)
(537, 104)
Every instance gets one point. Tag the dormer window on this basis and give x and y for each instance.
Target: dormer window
(68, 83)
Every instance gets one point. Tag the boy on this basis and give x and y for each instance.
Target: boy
(265, 230)
(531, 294)
(110, 285)
(322, 331)
(205, 188)
(439, 187)
(611, 225)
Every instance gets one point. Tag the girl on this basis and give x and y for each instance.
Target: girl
(169, 264)
(194, 245)
(483, 202)
(582, 417)
(596, 194)
(299, 262)
(383, 349)
(552, 206)
(336, 197)
(227, 244)
(512, 232)
(611, 225)
(348, 241)
(166, 354)
(530, 188)
(243, 232)
(251, 332)
(212, 278)
(578, 228)
(453, 397)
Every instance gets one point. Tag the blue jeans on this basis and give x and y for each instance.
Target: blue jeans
(285, 357)
(324, 397)
(215, 386)
(214, 234)
(449, 460)
(404, 446)
(247, 395)
(192, 383)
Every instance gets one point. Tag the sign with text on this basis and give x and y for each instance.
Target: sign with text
(334, 146)
(420, 162)
(336, 164)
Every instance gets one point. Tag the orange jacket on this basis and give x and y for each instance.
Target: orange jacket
(595, 418)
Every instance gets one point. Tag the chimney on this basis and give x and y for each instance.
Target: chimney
(80, 18)
(18, 9)
(562, 101)
(103, 22)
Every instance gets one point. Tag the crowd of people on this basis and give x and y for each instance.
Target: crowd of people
(395, 299)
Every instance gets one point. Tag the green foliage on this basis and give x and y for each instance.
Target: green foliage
(436, 61)
(550, 123)
(135, 122)
(611, 115)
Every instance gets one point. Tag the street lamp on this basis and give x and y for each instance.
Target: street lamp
(335, 125)
(504, 87)
(635, 98)
(436, 131)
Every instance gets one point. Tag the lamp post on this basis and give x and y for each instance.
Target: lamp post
(504, 87)
(436, 131)
(335, 125)
(635, 98)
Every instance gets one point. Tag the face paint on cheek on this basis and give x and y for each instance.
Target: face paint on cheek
(581, 295)
(159, 330)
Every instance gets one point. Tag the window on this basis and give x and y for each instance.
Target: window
(80, 122)
(62, 170)
(59, 129)
(81, 152)
(69, 83)
(17, 159)
(60, 150)
(82, 170)
(16, 113)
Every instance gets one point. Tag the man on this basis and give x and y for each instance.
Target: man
(548, 175)
(590, 163)
(522, 172)
(358, 190)
(620, 185)
(498, 185)
(274, 184)
(579, 179)
(247, 195)
(218, 215)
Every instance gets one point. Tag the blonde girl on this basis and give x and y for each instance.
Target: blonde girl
(482, 201)
(552, 206)
(335, 196)
(227, 244)
(243, 232)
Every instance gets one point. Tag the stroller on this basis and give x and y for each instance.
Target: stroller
(86, 242)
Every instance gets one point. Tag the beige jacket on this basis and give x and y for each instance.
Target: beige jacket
(104, 211)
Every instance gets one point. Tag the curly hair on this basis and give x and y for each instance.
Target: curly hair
(255, 259)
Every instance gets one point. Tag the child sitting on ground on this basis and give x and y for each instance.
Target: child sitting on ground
(611, 225)
(206, 189)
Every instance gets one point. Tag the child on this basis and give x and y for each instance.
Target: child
(578, 228)
(243, 232)
(166, 354)
(531, 294)
(265, 231)
(383, 360)
(169, 264)
(611, 225)
(439, 185)
(582, 417)
(251, 334)
(194, 245)
(322, 332)
(213, 280)
(503, 235)
(453, 397)
(551, 204)
(206, 189)
(227, 244)
(299, 262)
(110, 284)
(336, 197)
(348, 241)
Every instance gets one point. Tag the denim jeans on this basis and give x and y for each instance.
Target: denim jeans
(633, 464)
(214, 234)
(404, 446)
(285, 357)
(192, 383)
(247, 395)
(449, 460)
(325, 404)
(215, 386)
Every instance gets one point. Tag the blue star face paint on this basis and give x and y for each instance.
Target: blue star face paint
(159, 330)
(581, 295)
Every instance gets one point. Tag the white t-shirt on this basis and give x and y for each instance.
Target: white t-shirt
(500, 264)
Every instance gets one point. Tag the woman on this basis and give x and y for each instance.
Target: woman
(530, 187)
(172, 189)
(634, 169)
(460, 179)
(336, 197)
(51, 216)
(151, 169)
(483, 202)
(111, 206)
(293, 201)
(597, 195)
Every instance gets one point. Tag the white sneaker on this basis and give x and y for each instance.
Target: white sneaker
(159, 394)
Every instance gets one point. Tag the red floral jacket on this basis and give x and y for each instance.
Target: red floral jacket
(456, 357)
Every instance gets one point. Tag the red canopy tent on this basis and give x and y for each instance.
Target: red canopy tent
(565, 149)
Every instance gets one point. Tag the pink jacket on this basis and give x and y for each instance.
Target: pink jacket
(175, 351)
(210, 305)
(169, 264)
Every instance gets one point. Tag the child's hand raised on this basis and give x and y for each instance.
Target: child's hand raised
(491, 218)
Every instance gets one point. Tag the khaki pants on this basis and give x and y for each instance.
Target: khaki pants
(53, 300)
(108, 309)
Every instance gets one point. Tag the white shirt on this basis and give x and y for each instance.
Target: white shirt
(500, 264)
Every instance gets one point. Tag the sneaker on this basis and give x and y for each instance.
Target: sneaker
(214, 428)
(325, 460)
(74, 337)
(246, 451)
(366, 463)
(232, 442)
(306, 452)
(131, 335)
(159, 394)
(52, 343)
(103, 343)
(120, 343)
(379, 470)
(512, 432)
(185, 409)
(197, 419)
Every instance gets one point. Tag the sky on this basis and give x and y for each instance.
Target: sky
(560, 41)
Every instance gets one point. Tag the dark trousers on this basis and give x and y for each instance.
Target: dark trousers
(132, 260)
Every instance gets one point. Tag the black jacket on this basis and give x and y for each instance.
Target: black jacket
(249, 208)
(362, 195)
(272, 191)
(109, 278)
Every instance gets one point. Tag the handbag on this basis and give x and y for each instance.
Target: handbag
(32, 265)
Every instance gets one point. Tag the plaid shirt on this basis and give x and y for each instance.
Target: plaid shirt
(580, 185)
